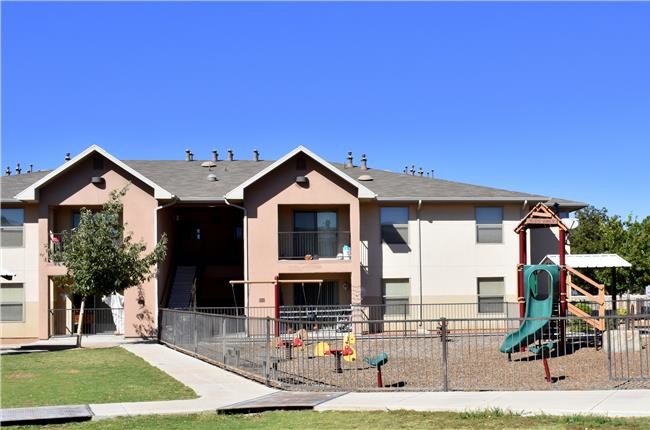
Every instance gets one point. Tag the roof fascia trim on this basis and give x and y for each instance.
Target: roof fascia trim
(463, 199)
(238, 192)
(30, 193)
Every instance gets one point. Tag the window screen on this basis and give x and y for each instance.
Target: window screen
(12, 300)
(489, 225)
(11, 227)
(394, 225)
(490, 295)
(396, 296)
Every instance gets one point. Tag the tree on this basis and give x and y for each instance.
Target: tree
(100, 258)
(598, 233)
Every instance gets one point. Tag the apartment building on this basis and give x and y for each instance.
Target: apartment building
(330, 233)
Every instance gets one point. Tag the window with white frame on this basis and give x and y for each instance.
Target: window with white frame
(489, 225)
(12, 302)
(396, 296)
(490, 295)
(395, 225)
(11, 227)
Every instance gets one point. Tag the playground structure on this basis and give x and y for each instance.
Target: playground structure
(538, 303)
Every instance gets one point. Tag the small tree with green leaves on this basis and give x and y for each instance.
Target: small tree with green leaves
(102, 259)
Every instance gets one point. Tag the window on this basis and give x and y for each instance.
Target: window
(489, 225)
(76, 219)
(314, 233)
(394, 225)
(11, 228)
(490, 295)
(12, 300)
(396, 296)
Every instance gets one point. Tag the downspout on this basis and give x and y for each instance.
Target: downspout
(420, 256)
(155, 235)
(245, 234)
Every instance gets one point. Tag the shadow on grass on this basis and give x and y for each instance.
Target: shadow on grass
(30, 349)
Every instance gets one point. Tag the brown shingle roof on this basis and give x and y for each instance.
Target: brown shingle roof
(188, 181)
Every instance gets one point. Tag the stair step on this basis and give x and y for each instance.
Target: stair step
(181, 289)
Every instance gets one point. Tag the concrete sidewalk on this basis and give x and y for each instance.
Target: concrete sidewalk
(215, 387)
(625, 403)
(219, 388)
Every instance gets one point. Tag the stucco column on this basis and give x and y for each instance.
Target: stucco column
(355, 243)
(43, 284)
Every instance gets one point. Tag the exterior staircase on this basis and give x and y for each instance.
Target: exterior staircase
(183, 289)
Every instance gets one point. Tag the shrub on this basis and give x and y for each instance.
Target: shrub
(578, 325)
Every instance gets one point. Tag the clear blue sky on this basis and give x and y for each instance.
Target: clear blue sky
(549, 98)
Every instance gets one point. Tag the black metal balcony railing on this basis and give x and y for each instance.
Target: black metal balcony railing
(318, 244)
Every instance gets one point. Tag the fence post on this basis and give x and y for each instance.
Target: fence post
(443, 339)
(405, 317)
(267, 363)
(608, 327)
(223, 338)
(196, 337)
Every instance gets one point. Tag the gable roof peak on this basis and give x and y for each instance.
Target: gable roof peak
(29, 193)
(238, 192)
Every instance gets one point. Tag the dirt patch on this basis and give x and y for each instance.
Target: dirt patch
(19, 375)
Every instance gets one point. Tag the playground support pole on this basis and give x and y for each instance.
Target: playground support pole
(520, 273)
(563, 306)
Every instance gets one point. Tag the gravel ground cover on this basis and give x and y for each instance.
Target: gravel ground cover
(416, 363)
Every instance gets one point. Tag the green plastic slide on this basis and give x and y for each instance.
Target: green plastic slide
(538, 311)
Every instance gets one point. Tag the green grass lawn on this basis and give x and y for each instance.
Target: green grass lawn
(359, 420)
(79, 376)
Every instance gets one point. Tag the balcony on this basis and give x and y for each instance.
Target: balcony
(56, 242)
(298, 245)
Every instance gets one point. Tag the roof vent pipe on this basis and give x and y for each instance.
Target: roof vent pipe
(31, 168)
(364, 162)
(191, 156)
(215, 155)
(8, 171)
(187, 155)
(18, 169)
(67, 156)
(256, 155)
(231, 155)
(348, 163)
(412, 170)
(406, 170)
(432, 173)
(421, 172)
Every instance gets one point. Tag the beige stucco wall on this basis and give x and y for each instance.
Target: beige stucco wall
(73, 188)
(24, 262)
(277, 194)
(451, 259)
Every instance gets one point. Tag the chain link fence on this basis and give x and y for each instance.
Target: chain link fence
(461, 354)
